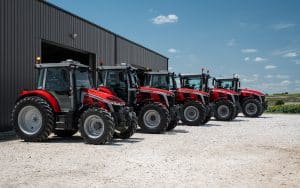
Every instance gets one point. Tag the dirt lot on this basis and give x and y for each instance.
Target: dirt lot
(263, 152)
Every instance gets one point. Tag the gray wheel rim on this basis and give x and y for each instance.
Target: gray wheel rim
(223, 111)
(94, 126)
(152, 118)
(30, 120)
(191, 113)
(251, 108)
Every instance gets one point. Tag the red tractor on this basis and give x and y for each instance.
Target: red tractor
(224, 102)
(64, 101)
(155, 107)
(192, 105)
(253, 102)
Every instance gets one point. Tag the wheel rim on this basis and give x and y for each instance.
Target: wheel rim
(251, 108)
(223, 111)
(30, 120)
(152, 118)
(94, 126)
(191, 113)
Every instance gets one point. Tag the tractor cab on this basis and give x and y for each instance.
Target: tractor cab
(120, 81)
(227, 83)
(162, 80)
(195, 81)
(65, 82)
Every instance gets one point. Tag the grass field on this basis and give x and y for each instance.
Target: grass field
(293, 98)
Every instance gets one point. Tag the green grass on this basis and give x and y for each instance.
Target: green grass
(285, 108)
(293, 98)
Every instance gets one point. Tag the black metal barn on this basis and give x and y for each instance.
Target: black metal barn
(35, 28)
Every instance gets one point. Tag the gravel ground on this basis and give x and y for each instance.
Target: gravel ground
(261, 152)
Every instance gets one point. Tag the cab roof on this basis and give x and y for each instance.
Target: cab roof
(67, 63)
(115, 67)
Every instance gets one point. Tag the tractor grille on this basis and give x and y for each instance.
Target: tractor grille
(206, 99)
(236, 98)
(171, 100)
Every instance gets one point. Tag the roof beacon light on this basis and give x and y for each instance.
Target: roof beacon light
(38, 59)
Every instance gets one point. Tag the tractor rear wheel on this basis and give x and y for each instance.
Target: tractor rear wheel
(96, 126)
(129, 131)
(252, 108)
(192, 113)
(33, 119)
(207, 117)
(65, 133)
(154, 118)
(225, 110)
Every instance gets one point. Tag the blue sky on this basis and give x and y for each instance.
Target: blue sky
(258, 39)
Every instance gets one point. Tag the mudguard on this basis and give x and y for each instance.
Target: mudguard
(44, 94)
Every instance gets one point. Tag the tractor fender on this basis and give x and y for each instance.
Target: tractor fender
(44, 94)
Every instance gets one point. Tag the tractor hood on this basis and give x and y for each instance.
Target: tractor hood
(188, 90)
(103, 96)
(222, 90)
(252, 91)
(155, 90)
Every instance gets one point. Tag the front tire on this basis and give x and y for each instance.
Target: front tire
(33, 119)
(154, 118)
(173, 123)
(129, 131)
(192, 113)
(252, 108)
(96, 126)
(225, 110)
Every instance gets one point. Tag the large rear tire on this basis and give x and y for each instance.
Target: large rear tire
(33, 119)
(96, 126)
(225, 110)
(154, 118)
(129, 131)
(252, 108)
(192, 113)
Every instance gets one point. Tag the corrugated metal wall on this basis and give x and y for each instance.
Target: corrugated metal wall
(23, 26)
(128, 52)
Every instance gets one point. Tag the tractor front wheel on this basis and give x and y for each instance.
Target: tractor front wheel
(225, 110)
(96, 126)
(192, 113)
(33, 119)
(129, 131)
(154, 118)
(252, 108)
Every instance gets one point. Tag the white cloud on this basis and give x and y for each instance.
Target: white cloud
(297, 62)
(247, 59)
(280, 76)
(290, 54)
(282, 26)
(170, 68)
(297, 81)
(161, 19)
(259, 59)
(269, 76)
(252, 78)
(232, 42)
(172, 50)
(249, 50)
(270, 67)
(285, 82)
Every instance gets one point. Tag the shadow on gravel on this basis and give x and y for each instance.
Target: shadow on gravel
(56, 139)
(175, 132)
(118, 142)
(210, 125)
